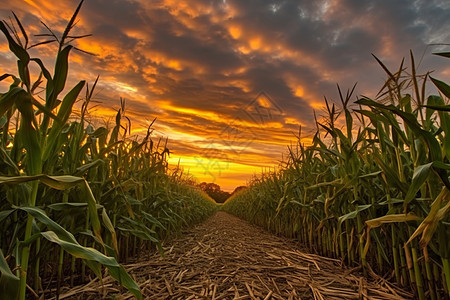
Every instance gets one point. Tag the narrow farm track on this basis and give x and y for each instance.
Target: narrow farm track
(227, 258)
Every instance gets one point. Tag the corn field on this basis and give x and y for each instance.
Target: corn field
(75, 198)
(373, 188)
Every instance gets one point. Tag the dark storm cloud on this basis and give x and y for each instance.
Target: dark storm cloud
(216, 56)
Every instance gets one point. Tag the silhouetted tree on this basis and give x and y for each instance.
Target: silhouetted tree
(214, 191)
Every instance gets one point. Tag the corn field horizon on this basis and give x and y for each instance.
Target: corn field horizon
(79, 199)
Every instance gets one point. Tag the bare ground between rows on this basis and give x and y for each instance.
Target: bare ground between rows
(228, 258)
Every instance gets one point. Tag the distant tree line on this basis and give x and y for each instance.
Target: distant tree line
(215, 192)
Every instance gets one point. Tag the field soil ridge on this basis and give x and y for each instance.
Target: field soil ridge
(228, 258)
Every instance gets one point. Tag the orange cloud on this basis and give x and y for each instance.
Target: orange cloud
(317, 104)
(255, 43)
(235, 31)
(294, 121)
(299, 92)
(201, 113)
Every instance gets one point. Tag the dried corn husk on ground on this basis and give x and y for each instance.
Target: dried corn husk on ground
(227, 258)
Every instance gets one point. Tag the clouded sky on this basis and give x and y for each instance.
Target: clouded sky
(230, 81)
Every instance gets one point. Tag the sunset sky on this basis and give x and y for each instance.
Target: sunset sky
(230, 81)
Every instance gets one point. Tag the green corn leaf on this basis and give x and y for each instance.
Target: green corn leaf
(79, 251)
(63, 206)
(84, 168)
(442, 86)
(16, 80)
(66, 106)
(24, 73)
(61, 70)
(300, 204)
(377, 238)
(392, 201)
(62, 183)
(373, 174)
(8, 99)
(411, 121)
(3, 121)
(6, 158)
(153, 220)
(21, 30)
(390, 174)
(62, 117)
(349, 123)
(138, 224)
(327, 151)
(49, 85)
(91, 254)
(108, 224)
(92, 208)
(436, 103)
(42, 217)
(421, 174)
(109, 250)
(125, 280)
(44, 70)
(439, 107)
(9, 283)
(101, 131)
(443, 54)
(68, 242)
(13, 46)
(6, 213)
(57, 182)
(28, 135)
(432, 143)
(353, 214)
(42, 108)
(140, 234)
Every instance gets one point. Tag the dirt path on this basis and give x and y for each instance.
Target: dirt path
(227, 258)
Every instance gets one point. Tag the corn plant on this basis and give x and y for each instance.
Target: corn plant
(375, 178)
(68, 187)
